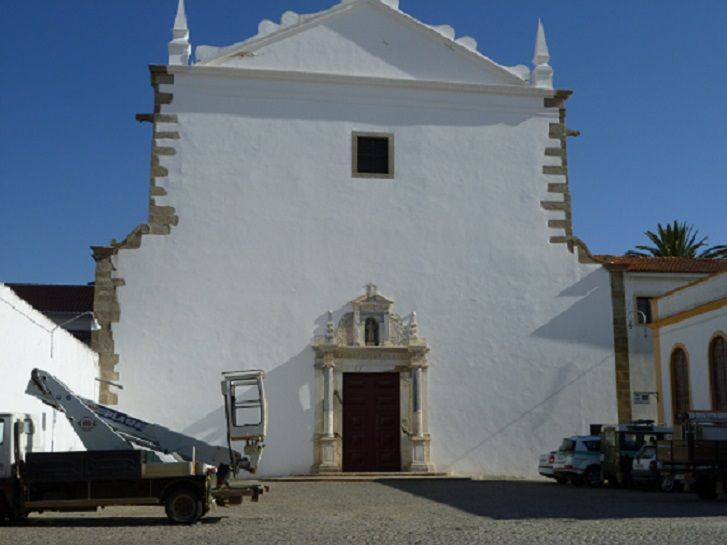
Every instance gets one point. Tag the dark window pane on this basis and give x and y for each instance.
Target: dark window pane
(679, 382)
(373, 154)
(719, 374)
(643, 305)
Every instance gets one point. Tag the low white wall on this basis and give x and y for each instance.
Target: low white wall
(25, 344)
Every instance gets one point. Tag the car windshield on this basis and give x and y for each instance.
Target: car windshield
(567, 445)
(647, 451)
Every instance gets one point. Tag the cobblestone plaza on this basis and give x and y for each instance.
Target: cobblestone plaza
(406, 512)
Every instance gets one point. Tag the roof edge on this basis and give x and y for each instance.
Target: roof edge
(258, 41)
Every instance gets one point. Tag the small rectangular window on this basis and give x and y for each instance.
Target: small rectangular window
(2, 431)
(643, 307)
(373, 155)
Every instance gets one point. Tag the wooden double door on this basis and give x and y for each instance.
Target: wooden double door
(371, 428)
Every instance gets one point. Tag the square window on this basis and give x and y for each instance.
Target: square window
(373, 155)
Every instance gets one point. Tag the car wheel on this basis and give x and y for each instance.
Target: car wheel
(593, 477)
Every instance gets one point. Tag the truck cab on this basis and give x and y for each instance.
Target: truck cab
(21, 430)
(619, 446)
(19, 435)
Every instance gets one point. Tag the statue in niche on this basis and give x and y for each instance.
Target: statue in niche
(371, 328)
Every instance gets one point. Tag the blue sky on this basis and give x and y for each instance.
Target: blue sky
(650, 101)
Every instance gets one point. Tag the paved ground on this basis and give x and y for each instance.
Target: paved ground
(407, 512)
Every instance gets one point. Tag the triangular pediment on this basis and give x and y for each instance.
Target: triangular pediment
(367, 38)
(372, 297)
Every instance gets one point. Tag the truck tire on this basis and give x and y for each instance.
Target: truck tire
(706, 489)
(666, 484)
(183, 506)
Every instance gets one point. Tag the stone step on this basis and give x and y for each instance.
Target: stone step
(368, 476)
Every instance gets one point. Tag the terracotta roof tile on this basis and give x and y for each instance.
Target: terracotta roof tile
(56, 297)
(664, 264)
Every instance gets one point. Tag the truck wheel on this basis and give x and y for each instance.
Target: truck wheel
(593, 477)
(667, 484)
(183, 506)
(706, 489)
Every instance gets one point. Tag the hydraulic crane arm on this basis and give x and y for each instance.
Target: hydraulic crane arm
(94, 433)
(102, 428)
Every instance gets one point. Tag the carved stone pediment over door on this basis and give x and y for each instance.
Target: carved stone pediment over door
(371, 339)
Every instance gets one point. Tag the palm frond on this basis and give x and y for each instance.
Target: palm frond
(678, 239)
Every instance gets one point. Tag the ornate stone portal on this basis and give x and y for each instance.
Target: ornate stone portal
(370, 338)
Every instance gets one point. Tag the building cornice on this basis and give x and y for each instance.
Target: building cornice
(690, 313)
(344, 79)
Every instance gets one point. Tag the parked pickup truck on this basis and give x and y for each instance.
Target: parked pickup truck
(621, 443)
(647, 470)
(578, 460)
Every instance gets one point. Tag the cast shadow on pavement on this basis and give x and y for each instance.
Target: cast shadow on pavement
(507, 500)
(104, 522)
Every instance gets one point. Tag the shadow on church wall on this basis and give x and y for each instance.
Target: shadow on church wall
(589, 319)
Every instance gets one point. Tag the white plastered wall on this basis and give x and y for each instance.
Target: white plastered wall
(25, 344)
(273, 231)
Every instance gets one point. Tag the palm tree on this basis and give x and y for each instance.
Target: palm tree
(678, 240)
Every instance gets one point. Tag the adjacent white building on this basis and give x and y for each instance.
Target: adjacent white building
(636, 282)
(30, 340)
(690, 347)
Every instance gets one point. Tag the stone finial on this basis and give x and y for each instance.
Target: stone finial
(179, 47)
(371, 289)
(413, 327)
(329, 327)
(542, 75)
(467, 41)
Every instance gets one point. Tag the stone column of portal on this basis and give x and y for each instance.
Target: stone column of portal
(328, 401)
(330, 458)
(420, 441)
(416, 378)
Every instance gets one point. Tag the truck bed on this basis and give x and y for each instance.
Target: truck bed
(692, 453)
(98, 478)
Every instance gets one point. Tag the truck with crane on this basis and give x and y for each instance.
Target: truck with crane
(696, 457)
(129, 461)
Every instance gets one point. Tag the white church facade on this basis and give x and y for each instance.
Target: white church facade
(378, 216)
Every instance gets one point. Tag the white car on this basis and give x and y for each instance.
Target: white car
(545, 465)
(579, 460)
